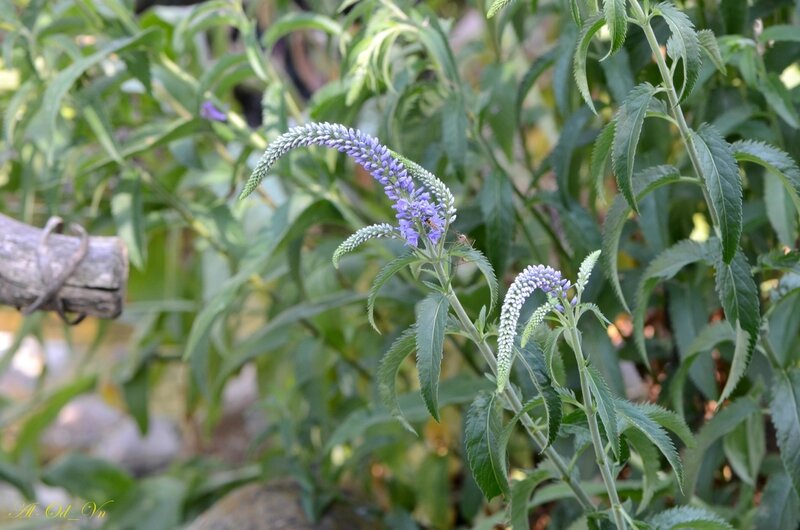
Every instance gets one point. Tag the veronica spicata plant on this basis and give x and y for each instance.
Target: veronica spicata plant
(424, 211)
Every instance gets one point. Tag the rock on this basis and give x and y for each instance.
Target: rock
(125, 446)
(276, 506)
(80, 425)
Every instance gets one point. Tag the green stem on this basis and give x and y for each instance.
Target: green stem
(591, 417)
(672, 94)
(510, 394)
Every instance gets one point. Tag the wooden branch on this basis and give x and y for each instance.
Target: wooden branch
(95, 288)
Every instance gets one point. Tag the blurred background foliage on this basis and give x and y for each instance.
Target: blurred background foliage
(143, 120)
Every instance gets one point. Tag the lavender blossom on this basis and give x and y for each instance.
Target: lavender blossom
(533, 277)
(416, 212)
(210, 112)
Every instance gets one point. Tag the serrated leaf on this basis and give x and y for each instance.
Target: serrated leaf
(521, 492)
(638, 418)
(720, 173)
(617, 21)
(532, 360)
(485, 445)
(665, 266)
(387, 373)
(739, 297)
(496, 6)
(775, 161)
(669, 420)
(708, 42)
(785, 411)
(683, 43)
(588, 31)
(384, 275)
(431, 321)
(605, 407)
(718, 426)
(477, 257)
(629, 122)
(650, 465)
(498, 215)
(688, 517)
(646, 181)
(600, 153)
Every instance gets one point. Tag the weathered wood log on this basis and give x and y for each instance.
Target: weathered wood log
(96, 287)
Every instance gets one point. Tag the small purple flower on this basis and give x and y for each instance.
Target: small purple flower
(210, 112)
(416, 212)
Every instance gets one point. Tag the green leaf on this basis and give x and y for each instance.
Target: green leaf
(617, 20)
(58, 87)
(17, 477)
(126, 207)
(650, 465)
(605, 407)
(496, 6)
(540, 65)
(780, 32)
(683, 44)
(387, 373)
(626, 137)
(739, 297)
(600, 153)
(780, 504)
(431, 322)
(89, 478)
(665, 266)
(454, 130)
(384, 275)
(475, 256)
(638, 418)
(708, 42)
(669, 420)
(781, 212)
(532, 360)
(690, 517)
(745, 448)
(498, 216)
(785, 411)
(708, 338)
(485, 444)
(299, 20)
(779, 98)
(521, 492)
(718, 426)
(720, 173)
(45, 412)
(775, 161)
(591, 27)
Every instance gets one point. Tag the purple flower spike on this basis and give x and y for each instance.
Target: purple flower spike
(416, 212)
(212, 113)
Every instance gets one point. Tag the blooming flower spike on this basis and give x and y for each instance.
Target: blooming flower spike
(418, 214)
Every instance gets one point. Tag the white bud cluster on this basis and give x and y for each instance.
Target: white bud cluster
(360, 236)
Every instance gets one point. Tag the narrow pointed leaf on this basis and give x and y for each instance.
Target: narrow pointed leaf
(650, 465)
(708, 42)
(600, 153)
(689, 517)
(591, 27)
(739, 297)
(646, 181)
(605, 407)
(629, 122)
(387, 373)
(431, 322)
(617, 20)
(721, 175)
(683, 44)
(520, 495)
(485, 445)
(776, 161)
(532, 359)
(477, 257)
(785, 411)
(384, 275)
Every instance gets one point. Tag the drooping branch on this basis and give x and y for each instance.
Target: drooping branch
(96, 286)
